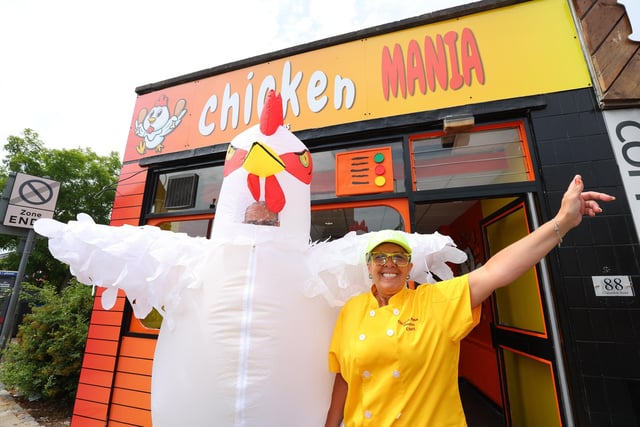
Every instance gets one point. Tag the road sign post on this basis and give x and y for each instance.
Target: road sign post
(4, 205)
(10, 319)
(25, 199)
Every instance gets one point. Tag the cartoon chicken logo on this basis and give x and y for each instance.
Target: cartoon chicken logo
(154, 125)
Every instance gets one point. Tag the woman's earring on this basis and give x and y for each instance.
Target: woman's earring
(408, 277)
(370, 276)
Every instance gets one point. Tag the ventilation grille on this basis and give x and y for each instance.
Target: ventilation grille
(181, 192)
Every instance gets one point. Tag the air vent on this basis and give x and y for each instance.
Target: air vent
(181, 192)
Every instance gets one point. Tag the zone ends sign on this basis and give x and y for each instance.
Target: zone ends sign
(31, 198)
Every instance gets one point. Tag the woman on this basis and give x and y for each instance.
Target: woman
(395, 350)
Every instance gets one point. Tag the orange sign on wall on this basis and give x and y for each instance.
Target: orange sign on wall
(364, 172)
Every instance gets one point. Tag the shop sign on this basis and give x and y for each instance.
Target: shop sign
(31, 198)
(624, 132)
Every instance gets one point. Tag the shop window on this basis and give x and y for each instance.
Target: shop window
(485, 155)
(323, 184)
(184, 191)
(194, 227)
(329, 224)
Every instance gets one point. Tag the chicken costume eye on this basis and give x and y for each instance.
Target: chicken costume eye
(305, 159)
(299, 165)
(234, 159)
(230, 152)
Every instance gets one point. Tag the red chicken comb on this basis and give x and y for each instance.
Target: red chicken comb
(271, 116)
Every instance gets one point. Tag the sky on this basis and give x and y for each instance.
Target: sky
(71, 67)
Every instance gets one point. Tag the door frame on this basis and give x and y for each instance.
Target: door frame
(548, 342)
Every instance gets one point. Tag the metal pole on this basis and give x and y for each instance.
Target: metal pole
(553, 325)
(10, 318)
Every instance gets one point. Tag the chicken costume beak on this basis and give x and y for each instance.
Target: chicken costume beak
(263, 161)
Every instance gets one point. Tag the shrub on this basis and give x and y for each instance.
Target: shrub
(45, 359)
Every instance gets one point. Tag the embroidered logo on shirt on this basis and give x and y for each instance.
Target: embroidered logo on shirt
(409, 324)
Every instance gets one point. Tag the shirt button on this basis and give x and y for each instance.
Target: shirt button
(390, 332)
(362, 337)
(366, 374)
(367, 414)
(396, 311)
(398, 416)
(372, 313)
(396, 374)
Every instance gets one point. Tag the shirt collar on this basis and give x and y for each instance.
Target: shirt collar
(395, 301)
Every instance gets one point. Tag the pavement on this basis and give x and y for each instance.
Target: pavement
(12, 414)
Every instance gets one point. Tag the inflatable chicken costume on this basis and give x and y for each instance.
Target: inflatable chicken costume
(248, 314)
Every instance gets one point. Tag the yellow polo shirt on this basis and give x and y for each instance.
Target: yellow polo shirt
(401, 361)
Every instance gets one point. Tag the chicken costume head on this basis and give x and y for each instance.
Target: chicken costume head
(267, 173)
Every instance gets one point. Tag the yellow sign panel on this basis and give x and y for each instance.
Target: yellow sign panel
(525, 49)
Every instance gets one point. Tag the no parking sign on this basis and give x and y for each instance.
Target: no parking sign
(31, 198)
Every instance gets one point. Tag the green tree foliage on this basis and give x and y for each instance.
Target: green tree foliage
(87, 184)
(45, 359)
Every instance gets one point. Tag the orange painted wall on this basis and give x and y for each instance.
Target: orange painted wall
(96, 377)
(115, 379)
(131, 399)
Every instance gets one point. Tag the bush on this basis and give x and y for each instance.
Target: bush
(45, 359)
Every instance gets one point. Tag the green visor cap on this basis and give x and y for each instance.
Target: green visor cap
(388, 236)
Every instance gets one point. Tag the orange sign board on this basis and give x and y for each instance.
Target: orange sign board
(438, 65)
(364, 172)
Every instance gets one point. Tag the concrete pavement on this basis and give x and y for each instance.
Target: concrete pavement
(11, 414)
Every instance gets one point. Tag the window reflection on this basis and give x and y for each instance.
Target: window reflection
(208, 181)
(334, 223)
(192, 227)
(481, 157)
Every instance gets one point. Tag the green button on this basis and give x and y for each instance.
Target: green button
(378, 158)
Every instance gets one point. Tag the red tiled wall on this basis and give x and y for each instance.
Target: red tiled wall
(115, 381)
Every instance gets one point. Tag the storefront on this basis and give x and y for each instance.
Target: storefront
(471, 122)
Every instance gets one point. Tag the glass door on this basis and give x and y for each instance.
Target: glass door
(525, 346)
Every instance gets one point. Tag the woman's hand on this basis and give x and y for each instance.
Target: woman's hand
(577, 203)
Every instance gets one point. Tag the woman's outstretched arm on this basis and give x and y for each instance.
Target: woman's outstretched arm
(514, 260)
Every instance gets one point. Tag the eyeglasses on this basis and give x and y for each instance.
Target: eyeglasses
(381, 258)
